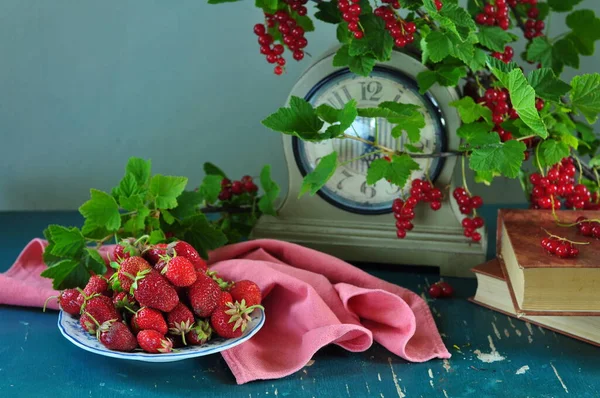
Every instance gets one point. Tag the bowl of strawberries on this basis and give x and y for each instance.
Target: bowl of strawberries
(161, 304)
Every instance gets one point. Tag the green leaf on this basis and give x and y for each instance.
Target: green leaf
(478, 134)
(565, 135)
(165, 190)
(504, 158)
(470, 111)
(522, 96)
(594, 162)
(407, 119)
(67, 274)
(585, 96)
(101, 211)
(343, 34)
(400, 169)
(211, 169)
(94, 262)
(304, 22)
(540, 50)
(188, 203)
(585, 24)
(140, 169)
(130, 194)
(360, 65)
(266, 203)
(299, 120)
(439, 46)
(494, 38)
(485, 177)
(201, 234)
(157, 236)
(376, 40)
(553, 151)
(547, 85)
(328, 12)
(131, 203)
(210, 188)
(586, 132)
(563, 5)
(66, 242)
(445, 75)
(564, 52)
(136, 222)
(343, 118)
(377, 170)
(412, 148)
(451, 17)
(167, 216)
(320, 175)
(269, 5)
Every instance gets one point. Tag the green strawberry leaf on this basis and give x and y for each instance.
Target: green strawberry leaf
(165, 189)
(266, 203)
(320, 175)
(585, 96)
(547, 85)
(470, 111)
(101, 211)
(167, 216)
(504, 158)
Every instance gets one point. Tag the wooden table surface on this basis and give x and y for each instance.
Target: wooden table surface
(492, 354)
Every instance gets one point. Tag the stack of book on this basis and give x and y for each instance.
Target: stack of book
(527, 282)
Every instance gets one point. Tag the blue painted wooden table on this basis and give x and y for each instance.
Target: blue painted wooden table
(35, 360)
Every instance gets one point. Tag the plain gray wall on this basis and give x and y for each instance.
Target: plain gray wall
(86, 84)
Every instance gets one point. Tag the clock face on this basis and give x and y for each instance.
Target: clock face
(348, 188)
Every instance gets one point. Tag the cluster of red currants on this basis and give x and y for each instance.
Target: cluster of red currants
(466, 204)
(533, 26)
(351, 14)
(495, 15)
(559, 183)
(440, 289)
(420, 191)
(560, 247)
(298, 6)
(230, 189)
(499, 103)
(401, 31)
(293, 38)
(589, 228)
(506, 56)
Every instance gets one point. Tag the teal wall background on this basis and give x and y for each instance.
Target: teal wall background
(84, 84)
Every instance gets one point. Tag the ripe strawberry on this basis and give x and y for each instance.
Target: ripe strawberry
(180, 320)
(204, 295)
(230, 321)
(184, 249)
(96, 285)
(152, 290)
(125, 249)
(100, 309)
(149, 319)
(70, 301)
(153, 342)
(123, 300)
(160, 265)
(153, 253)
(129, 269)
(116, 336)
(246, 290)
(179, 271)
(224, 299)
(199, 334)
(87, 323)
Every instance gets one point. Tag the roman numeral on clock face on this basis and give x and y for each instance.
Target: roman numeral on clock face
(337, 101)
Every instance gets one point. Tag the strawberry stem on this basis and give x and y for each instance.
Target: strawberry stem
(46, 302)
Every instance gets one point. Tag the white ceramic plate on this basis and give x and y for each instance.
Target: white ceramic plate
(70, 328)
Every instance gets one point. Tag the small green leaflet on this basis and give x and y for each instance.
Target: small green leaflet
(266, 5)
(210, 168)
(586, 30)
(157, 236)
(470, 111)
(445, 75)
(101, 211)
(439, 46)
(93, 261)
(565, 135)
(478, 134)
(165, 190)
(140, 169)
(563, 5)
(555, 56)
(343, 118)
(320, 175)
(552, 152)
(136, 222)
(594, 162)
(452, 17)
(67, 274)
(167, 216)
(397, 171)
(210, 188)
(376, 41)
(187, 204)
(361, 65)
(328, 12)
(540, 50)
(299, 120)
(266, 204)
(504, 158)
(130, 194)
(201, 234)
(522, 96)
(547, 85)
(585, 96)
(586, 131)
(342, 33)
(67, 242)
(407, 118)
(494, 38)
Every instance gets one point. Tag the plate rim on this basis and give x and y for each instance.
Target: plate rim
(167, 357)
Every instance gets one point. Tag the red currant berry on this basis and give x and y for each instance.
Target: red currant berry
(478, 222)
(237, 187)
(435, 291)
(298, 55)
(435, 205)
(259, 29)
(467, 223)
(476, 202)
(401, 233)
(447, 290)
(476, 237)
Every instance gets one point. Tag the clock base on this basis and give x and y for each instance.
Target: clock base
(443, 247)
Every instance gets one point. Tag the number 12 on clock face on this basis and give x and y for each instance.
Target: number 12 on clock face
(347, 189)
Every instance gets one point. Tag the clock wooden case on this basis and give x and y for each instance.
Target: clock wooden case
(351, 219)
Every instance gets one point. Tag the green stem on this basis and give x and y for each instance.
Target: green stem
(580, 169)
(355, 132)
(565, 239)
(526, 137)
(360, 157)
(376, 131)
(557, 38)
(537, 159)
(464, 176)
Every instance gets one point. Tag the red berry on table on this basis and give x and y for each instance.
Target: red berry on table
(435, 291)
(153, 342)
(447, 290)
(122, 300)
(117, 336)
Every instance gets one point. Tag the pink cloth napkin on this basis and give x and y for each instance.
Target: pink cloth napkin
(311, 299)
